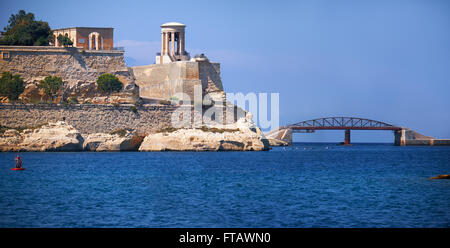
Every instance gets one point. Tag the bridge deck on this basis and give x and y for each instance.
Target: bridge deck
(341, 128)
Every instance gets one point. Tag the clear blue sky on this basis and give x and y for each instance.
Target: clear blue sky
(383, 60)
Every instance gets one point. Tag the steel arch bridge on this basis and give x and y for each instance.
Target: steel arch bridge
(335, 123)
(342, 123)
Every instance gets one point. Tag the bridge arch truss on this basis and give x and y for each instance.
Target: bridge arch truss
(342, 123)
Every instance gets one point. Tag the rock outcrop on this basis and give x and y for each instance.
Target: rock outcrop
(240, 136)
(199, 140)
(445, 176)
(58, 136)
(10, 140)
(277, 142)
(98, 142)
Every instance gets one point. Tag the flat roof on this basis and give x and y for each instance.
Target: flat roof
(80, 28)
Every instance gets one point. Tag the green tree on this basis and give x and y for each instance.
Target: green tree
(108, 83)
(24, 30)
(64, 40)
(11, 85)
(51, 85)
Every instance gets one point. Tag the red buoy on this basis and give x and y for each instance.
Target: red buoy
(17, 168)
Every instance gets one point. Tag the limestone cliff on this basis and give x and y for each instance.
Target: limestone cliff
(60, 136)
(126, 141)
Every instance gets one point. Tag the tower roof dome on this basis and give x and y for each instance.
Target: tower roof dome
(173, 24)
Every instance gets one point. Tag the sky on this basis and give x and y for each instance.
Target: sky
(382, 60)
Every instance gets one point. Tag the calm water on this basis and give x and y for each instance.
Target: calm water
(307, 185)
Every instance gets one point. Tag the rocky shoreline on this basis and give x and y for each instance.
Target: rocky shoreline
(60, 136)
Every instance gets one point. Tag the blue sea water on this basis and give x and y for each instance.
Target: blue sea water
(306, 185)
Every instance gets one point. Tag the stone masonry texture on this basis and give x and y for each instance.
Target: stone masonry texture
(88, 118)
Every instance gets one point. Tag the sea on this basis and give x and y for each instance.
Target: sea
(304, 185)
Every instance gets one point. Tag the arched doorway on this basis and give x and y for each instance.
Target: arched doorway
(95, 41)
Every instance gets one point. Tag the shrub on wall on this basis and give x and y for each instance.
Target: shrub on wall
(108, 83)
(11, 85)
(134, 109)
(51, 85)
(64, 40)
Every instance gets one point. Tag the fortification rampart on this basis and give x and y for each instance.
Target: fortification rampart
(88, 118)
(72, 64)
(102, 118)
(163, 81)
(77, 67)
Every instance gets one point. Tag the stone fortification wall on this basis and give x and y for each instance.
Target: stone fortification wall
(163, 81)
(88, 118)
(78, 68)
(209, 75)
(100, 118)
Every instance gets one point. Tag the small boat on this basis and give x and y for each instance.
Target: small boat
(14, 169)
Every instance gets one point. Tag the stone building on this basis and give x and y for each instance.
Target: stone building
(172, 43)
(88, 38)
(174, 72)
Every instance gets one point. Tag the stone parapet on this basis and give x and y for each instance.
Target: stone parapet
(56, 49)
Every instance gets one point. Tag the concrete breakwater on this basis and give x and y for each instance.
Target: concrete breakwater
(412, 138)
(428, 142)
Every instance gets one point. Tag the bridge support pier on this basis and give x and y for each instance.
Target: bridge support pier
(400, 137)
(283, 134)
(347, 137)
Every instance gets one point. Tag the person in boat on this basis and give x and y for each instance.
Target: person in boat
(18, 161)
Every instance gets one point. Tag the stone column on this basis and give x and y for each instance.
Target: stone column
(90, 41)
(181, 39)
(96, 42)
(178, 44)
(172, 51)
(162, 44)
(167, 44)
(56, 40)
(75, 41)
